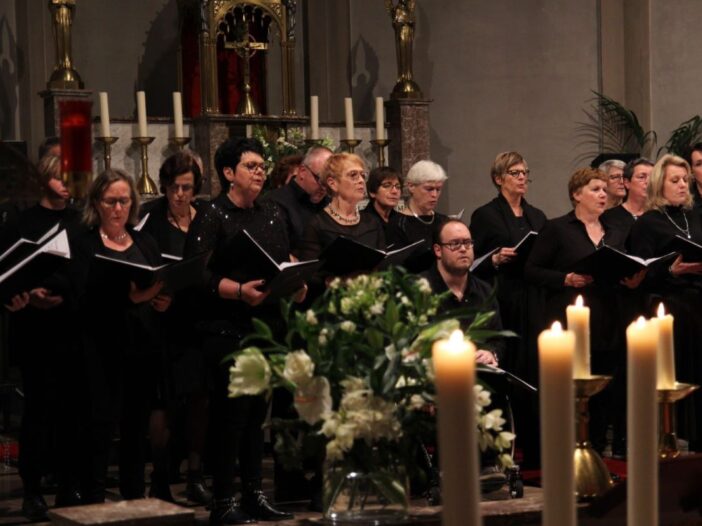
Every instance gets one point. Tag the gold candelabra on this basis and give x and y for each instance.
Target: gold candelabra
(350, 144)
(145, 185)
(592, 477)
(63, 76)
(667, 440)
(380, 145)
(107, 143)
(179, 142)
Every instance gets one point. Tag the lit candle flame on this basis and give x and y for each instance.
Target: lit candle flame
(456, 338)
(579, 301)
(661, 310)
(556, 327)
(641, 322)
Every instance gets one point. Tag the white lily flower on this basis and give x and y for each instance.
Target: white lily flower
(313, 400)
(250, 374)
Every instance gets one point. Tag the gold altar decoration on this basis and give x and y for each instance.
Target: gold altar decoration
(592, 477)
(403, 20)
(216, 16)
(145, 185)
(667, 440)
(107, 143)
(63, 76)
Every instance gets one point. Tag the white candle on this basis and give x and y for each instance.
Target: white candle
(348, 112)
(454, 364)
(314, 117)
(178, 114)
(141, 113)
(379, 119)
(578, 317)
(666, 350)
(642, 424)
(104, 115)
(557, 413)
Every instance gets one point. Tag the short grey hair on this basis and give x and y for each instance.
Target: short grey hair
(612, 163)
(425, 172)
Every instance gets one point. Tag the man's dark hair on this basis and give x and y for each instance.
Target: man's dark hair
(631, 165)
(47, 144)
(229, 154)
(439, 228)
(380, 174)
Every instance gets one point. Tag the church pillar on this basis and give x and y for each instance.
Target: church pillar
(409, 132)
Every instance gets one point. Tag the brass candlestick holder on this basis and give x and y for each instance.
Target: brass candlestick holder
(350, 144)
(592, 477)
(313, 142)
(380, 145)
(667, 440)
(145, 185)
(107, 143)
(179, 142)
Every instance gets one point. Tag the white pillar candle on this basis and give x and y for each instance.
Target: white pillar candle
(314, 117)
(557, 413)
(454, 365)
(141, 114)
(348, 113)
(666, 350)
(379, 119)
(578, 317)
(178, 114)
(104, 115)
(642, 424)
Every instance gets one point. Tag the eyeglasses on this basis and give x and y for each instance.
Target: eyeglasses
(616, 178)
(252, 167)
(455, 244)
(391, 186)
(185, 188)
(112, 202)
(355, 175)
(314, 174)
(517, 173)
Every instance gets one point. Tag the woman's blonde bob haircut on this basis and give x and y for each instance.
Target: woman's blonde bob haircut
(99, 186)
(335, 166)
(654, 193)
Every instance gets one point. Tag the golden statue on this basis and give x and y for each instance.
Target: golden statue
(402, 14)
(63, 76)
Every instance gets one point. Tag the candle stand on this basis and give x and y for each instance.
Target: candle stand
(179, 142)
(313, 142)
(107, 143)
(145, 185)
(380, 145)
(350, 144)
(667, 441)
(592, 477)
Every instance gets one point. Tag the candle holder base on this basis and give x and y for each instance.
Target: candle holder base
(145, 185)
(179, 142)
(592, 478)
(313, 142)
(667, 439)
(350, 144)
(380, 145)
(107, 143)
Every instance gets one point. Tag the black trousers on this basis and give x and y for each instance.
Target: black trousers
(235, 424)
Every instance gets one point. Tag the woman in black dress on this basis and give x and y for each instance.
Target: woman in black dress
(671, 213)
(384, 190)
(114, 336)
(231, 297)
(177, 357)
(562, 243)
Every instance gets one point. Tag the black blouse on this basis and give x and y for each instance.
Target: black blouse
(322, 230)
(406, 229)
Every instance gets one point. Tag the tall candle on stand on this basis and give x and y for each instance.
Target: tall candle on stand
(454, 365)
(642, 424)
(178, 114)
(578, 317)
(379, 119)
(348, 112)
(557, 412)
(141, 113)
(104, 115)
(314, 117)
(666, 350)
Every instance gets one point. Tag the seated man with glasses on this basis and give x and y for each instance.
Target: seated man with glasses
(453, 248)
(616, 191)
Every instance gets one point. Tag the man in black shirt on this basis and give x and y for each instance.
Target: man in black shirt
(304, 196)
(453, 248)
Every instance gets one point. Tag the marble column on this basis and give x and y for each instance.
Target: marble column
(409, 132)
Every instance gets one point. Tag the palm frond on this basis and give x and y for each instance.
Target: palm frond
(683, 137)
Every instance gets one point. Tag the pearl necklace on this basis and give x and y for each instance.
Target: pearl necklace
(433, 216)
(685, 230)
(343, 219)
(117, 239)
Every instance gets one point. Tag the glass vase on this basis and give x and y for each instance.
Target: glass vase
(376, 496)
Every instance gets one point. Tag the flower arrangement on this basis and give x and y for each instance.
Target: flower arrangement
(358, 363)
(278, 143)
